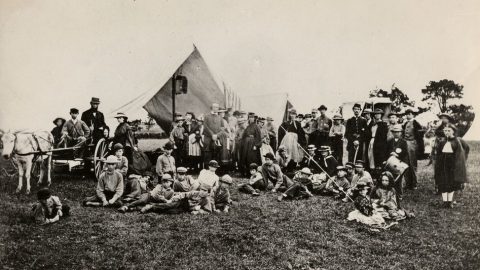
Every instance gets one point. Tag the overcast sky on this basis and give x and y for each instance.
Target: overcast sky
(57, 54)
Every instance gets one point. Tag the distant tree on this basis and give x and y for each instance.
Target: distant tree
(149, 123)
(398, 98)
(441, 92)
(463, 116)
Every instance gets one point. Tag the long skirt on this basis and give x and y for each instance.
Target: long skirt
(248, 155)
(448, 171)
(225, 154)
(194, 149)
(290, 141)
(375, 219)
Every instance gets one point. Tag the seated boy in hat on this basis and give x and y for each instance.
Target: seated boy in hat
(361, 177)
(221, 196)
(255, 183)
(338, 185)
(311, 160)
(286, 163)
(326, 161)
(166, 162)
(184, 182)
(122, 164)
(301, 189)
(109, 187)
(208, 179)
(398, 147)
(48, 209)
(272, 172)
(162, 193)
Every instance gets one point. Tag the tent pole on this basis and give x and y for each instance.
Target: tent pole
(173, 98)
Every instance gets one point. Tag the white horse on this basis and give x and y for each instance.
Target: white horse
(20, 146)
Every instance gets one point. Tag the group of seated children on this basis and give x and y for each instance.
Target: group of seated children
(175, 192)
(322, 175)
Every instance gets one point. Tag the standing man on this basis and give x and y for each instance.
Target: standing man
(213, 125)
(377, 141)
(392, 121)
(413, 135)
(94, 120)
(323, 126)
(272, 133)
(367, 114)
(355, 134)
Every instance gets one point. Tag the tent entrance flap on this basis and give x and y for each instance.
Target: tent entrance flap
(203, 90)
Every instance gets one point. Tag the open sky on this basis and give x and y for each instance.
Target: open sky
(57, 54)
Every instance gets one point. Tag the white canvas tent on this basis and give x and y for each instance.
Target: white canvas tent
(267, 105)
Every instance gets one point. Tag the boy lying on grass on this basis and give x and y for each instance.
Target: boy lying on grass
(109, 187)
(48, 209)
(301, 189)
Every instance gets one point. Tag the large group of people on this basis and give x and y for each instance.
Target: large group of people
(301, 158)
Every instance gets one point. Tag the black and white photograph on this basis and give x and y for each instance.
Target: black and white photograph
(266, 134)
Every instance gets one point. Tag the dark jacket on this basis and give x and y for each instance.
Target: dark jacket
(417, 133)
(124, 135)
(97, 121)
(328, 164)
(311, 164)
(401, 144)
(355, 129)
(295, 127)
(460, 150)
(380, 153)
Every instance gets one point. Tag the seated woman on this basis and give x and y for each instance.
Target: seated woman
(384, 198)
(364, 211)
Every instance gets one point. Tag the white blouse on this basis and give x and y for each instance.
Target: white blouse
(447, 148)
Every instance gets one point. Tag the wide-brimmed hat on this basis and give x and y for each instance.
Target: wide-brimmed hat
(120, 115)
(397, 128)
(111, 160)
(407, 111)
(378, 111)
(337, 117)
(117, 147)
(367, 111)
(95, 100)
(261, 119)
(227, 179)
(269, 156)
(449, 116)
(213, 163)
(306, 170)
(73, 110)
(59, 118)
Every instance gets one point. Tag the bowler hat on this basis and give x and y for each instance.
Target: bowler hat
(95, 100)
(322, 107)
(251, 114)
(168, 146)
(73, 110)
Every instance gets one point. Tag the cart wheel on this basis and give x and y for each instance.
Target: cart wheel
(101, 152)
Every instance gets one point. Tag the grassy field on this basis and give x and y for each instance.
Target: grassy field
(259, 233)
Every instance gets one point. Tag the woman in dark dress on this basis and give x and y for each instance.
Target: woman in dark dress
(450, 166)
(251, 143)
(124, 135)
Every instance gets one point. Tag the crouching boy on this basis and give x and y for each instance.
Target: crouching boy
(109, 186)
(221, 196)
(48, 209)
(184, 182)
(301, 187)
(255, 183)
(272, 173)
(162, 193)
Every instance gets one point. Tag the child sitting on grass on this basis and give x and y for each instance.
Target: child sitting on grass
(207, 178)
(162, 193)
(338, 185)
(184, 182)
(109, 187)
(364, 211)
(221, 196)
(122, 165)
(301, 189)
(48, 209)
(384, 198)
(255, 183)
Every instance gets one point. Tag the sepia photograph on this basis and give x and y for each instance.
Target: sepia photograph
(267, 134)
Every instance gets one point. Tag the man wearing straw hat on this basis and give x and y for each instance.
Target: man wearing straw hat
(94, 119)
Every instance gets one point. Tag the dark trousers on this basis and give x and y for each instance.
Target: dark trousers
(171, 208)
(322, 138)
(249, 189)
(298, 191)
(337, 148)
(273, 143)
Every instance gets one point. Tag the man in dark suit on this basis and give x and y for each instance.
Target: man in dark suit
(412, 133)
(355, 132)
(94, 119)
